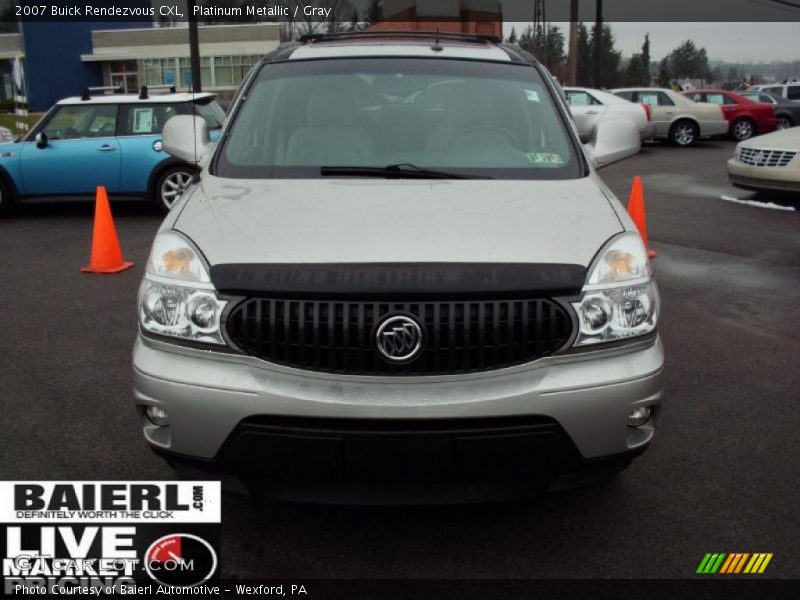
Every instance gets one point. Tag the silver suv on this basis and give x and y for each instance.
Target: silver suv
(398, 273)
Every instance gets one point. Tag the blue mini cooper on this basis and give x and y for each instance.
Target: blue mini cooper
(112, 140)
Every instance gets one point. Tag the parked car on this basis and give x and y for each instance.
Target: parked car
(383, 280)
(676, 118)
(786, 111)
(588, 106)
(746, 117)
(768, 162)
(112, 140)
(789, 90)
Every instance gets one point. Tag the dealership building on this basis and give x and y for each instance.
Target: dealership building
(61, 59)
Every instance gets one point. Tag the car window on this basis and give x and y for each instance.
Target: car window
(581, 98)
(625, 95)
(82, 121)
(695, 97)
(793, 92)
(468, 117)
(655, 98)
(758, 97)
(718, 99)
(775, 90)
(147, 119)
(664, 100)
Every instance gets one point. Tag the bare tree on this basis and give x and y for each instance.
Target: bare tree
(340, 11)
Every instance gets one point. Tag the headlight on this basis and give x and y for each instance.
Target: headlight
(620, 299)
(176, 297)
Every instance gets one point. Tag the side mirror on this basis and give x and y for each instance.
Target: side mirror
(612, 139)
(186, 137)
(41, 140)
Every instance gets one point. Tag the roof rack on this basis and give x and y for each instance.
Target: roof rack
(88, 91)
(473, 38)
(143, 91)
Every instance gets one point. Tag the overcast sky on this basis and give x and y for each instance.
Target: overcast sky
(741, 42)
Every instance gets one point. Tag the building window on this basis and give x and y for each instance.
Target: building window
(230, 70)
(216, 71)
(205, 71)
(125, 73)
(185, 66)
(161, 71)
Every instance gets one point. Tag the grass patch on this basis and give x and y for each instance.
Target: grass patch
(10, 121)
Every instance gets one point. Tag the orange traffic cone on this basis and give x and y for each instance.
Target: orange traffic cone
(636, 211)
(106, 253)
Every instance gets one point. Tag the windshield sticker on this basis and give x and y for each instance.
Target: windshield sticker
(532, 95)
(545, 158)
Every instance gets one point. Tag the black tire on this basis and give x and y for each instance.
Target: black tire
(785, 122)
(743, 129)
(171, 184)
(6, 198)
(684, 133)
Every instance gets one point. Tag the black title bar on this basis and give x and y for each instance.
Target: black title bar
(321, 11)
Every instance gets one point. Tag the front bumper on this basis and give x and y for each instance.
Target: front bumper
(579, 402)
(783, 179)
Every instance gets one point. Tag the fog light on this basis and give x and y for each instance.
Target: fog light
(157, 415)
(639, 416)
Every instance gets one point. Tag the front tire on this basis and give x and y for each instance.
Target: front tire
(684, 134)
(743, 129)
(785, 122)
(171, 186)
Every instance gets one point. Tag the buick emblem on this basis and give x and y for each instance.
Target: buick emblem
(759, 158)
(399, 338)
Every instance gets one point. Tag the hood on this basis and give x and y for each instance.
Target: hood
(390, 221)
(783, 139)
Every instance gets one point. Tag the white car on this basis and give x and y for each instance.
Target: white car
(676, 118)
(789, 90)
(588, 106)
(768, 162)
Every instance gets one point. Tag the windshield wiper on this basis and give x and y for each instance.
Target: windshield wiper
(398, 170)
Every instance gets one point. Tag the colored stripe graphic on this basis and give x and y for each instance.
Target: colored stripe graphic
(711, 562)
(724, 563)
(758, 563)
(735, 562)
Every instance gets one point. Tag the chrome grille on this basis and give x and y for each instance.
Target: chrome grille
(461, 336)
(757, 157)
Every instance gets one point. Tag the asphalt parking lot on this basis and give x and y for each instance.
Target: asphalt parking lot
(720, 476)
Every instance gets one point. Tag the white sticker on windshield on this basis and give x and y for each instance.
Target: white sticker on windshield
(532, 95)
(545, 158)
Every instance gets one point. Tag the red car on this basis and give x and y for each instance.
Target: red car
(746, 118)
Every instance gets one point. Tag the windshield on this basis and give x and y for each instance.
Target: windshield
(464, 117)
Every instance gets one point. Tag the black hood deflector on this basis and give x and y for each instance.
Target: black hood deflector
(408, 280)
